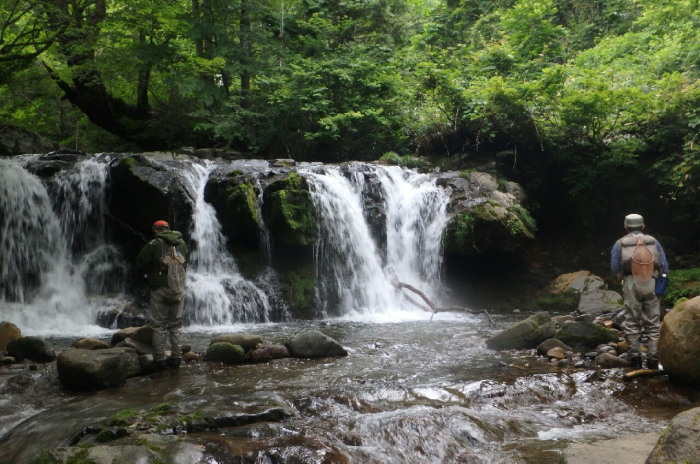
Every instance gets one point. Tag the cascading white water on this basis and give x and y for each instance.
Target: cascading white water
(217, 294)
(354, 275)
(55, 267)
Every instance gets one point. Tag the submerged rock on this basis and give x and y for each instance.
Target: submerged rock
(315, 344)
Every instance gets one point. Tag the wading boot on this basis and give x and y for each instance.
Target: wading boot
(653, 364)
(636, 362)
(173, 363)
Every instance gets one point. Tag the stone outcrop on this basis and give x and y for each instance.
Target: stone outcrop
(289, 212)
(579, 291)
(96, 369)
(679, 342)
(679, 441)
(315, 344)
(485, 219)
(17, 141)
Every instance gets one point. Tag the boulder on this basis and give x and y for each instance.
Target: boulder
(8, 332)
(556, 353)
(544, 347)
(599, 301)
(245, 341)
(264, 353)
(32, 348)
(15, 140)
(482, 219)
(679, 442)
(315, 344)
(609, 360)
(679, 342)
(225, 352)
(143, 334)
(90, 344)
(96, 369)
(523, 334)
(582, 334)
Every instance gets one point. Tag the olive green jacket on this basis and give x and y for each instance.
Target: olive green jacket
(149, 261)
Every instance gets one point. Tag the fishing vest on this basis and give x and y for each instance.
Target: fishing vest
(634, 258)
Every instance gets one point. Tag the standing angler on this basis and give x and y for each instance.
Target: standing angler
(636, 258)
(162, 262)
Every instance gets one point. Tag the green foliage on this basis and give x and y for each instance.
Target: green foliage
(682, 284)
(407, 161)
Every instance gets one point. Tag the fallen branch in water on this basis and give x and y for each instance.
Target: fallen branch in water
(436, 309)
(643, 373)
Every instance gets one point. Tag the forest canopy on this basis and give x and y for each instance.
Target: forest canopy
(591, 99)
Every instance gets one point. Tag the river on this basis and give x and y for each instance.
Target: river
(416, 391)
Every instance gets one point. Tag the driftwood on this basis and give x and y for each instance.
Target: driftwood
(643, 373)
(433, 307)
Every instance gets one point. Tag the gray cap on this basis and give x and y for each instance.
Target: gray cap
(634, 220)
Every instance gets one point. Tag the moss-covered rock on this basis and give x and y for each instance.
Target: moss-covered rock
(301, 295)
(234, 198)
(585, 334)
(225, 352)
(527, 333)
(289, 211)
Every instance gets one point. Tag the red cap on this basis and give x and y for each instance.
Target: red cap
(159, 224)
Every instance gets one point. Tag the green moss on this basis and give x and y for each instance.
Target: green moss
(560, 302)
(520, 222)
(302, 292)
(164, 408)
(407, 161)
(125, 416)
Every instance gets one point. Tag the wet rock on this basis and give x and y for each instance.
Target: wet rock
(139, 346)
(679, 342)
(289, 212)
(7, 360)
(96, 369)
(315, 344)
(32, 348)
(599, 301)
(106, 454)
(608, 360)
(585, 334)
(8, 332)
(264, 353)
(15, 140)
(523, 334)
(556, 353)
(143, 334)
(90, 344)
(190, 356)
(245, 341)
(239, 419)
(225, 352)
(550, 343)
(679, 441)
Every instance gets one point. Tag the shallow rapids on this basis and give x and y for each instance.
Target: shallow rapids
(409, 392)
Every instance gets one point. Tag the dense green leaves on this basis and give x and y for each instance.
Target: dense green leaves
(581, 91)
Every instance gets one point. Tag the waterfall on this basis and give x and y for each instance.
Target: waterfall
(56, 270)
(217, 293)
(355, 272)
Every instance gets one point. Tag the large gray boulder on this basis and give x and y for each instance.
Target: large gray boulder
(679, 342)
(315, 344)
(15, 140)
(96, 369)
(527, 333)
(679, 442)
